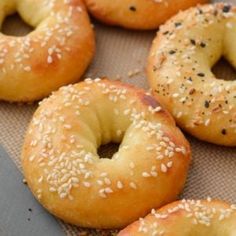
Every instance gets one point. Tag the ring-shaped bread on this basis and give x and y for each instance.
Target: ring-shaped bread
(56, 53)
(187, 217)
(64, 171)
(137, 14)
(179, 71)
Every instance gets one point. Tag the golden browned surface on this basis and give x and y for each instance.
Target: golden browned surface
(179, 71)
(137, 14)
(56, 53)
(65, 173)
(187, 218)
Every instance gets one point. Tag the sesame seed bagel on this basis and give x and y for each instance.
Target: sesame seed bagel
(187, 217)
(56, 53)
(137, 14)
(179, 71)
(64, 171)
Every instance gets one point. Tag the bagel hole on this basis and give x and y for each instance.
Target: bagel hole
(108, 150)
(224, 70)
(14, 25)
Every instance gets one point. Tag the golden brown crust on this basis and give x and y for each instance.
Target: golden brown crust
(63, 169)
(187, 217)
(179, 71)
(56, 53)
(137, 14)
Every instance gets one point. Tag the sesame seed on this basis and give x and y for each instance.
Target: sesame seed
(49, 59)
(119, 185)
(107, 181)
(133, 185)
(108, 190)
(169, 164)
(163, 168)
(87, 184)
(145, 174)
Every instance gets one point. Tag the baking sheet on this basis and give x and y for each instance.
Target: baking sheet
(121, 54)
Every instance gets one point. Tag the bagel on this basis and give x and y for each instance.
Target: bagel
(63, 169)
(179, 71)
(187, 217)
(56, 53)
(137, 14)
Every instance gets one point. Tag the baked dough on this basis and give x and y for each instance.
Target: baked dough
(137, 14)
(187, 217)
(179, 71)
(56, 53)
(63, 169)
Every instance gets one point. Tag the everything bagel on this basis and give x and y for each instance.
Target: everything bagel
(56, 53)
(137, 14)
(65, 173)
(179, 71)
(187, 217)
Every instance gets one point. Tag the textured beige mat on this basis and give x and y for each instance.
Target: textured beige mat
(122, 54)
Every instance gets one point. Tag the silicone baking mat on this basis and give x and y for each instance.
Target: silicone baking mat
(121, 54)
